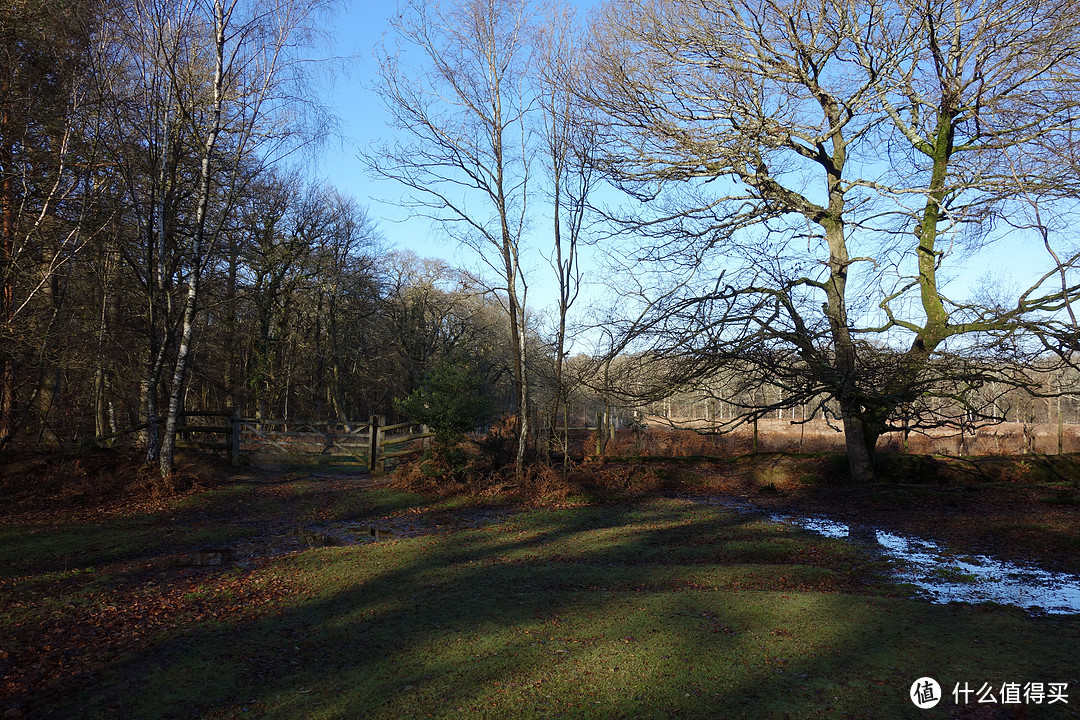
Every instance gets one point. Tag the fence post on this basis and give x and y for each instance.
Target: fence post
(380, 464)
(373, 443)
(234, 436)
(375, 462)
(1061, 424)
(599, 434)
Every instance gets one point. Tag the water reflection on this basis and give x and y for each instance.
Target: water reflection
(945, 577)
(940, 575)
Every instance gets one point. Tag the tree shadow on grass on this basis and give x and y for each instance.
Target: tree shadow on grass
(606, 612)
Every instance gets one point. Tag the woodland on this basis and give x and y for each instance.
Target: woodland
(744, 399)
(781, 200)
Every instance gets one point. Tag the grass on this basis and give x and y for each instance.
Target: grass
(952, 575)
(653, 609)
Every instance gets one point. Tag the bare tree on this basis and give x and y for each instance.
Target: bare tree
(808, 170)
(346, 297)
(461, 148)
(568, 140)
(215, 90)
(49, 189)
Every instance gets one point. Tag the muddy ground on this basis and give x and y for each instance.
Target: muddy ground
(1019, 508)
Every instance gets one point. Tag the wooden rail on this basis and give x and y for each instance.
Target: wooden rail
(369, 444)
(382, 437)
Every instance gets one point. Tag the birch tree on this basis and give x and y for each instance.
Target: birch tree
(214, 89)
(459, 107)
(567, 140)
(809, 172)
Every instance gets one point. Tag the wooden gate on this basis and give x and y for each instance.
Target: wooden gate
(369, 445)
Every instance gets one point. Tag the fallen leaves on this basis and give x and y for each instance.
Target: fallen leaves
(76, 640)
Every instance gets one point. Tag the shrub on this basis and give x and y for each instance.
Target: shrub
(452, 401)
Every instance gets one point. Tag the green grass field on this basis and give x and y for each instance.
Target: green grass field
(652, 609)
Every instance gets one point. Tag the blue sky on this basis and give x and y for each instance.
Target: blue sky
(356, 30)
(359, 27)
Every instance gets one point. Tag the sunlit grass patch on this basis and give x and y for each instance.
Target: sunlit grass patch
(652, 610)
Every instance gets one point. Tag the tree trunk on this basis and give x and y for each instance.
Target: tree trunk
(198, 245)
(49, 375)
(860, 448)
(517, 332)
(230, 380)
(152, 434)
(49, 388)
(157, 292)
(7, 401)
(7, 286)
(101, 415)
(523, 405)
(168, 442)
(150, 386)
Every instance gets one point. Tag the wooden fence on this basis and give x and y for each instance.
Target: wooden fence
(369, 445)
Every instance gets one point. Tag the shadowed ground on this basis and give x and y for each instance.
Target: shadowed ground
(653, 608)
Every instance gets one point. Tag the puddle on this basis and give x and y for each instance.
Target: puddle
(944, 577)
(940, 575)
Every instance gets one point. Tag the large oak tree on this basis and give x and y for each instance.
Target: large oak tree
(809, 174)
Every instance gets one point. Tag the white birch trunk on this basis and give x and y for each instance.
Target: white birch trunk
(168, 444)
